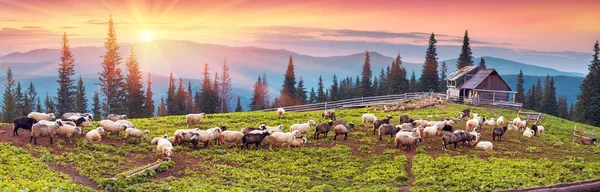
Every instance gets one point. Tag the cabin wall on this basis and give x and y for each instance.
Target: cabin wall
(490, 96)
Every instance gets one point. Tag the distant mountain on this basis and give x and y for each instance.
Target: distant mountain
(565, 85)
(505, 66)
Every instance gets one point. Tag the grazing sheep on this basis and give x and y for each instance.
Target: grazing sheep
(24, 123)
(540, 130)
(406, 140)
(486, 145)
(588, 141)
(521, 124)
(303, 128)
(534, 128)
(133, 132)
(87, 116)
(115, 117)
(192, 119)
(194, 139)
(216, 132)
(368, 118)
(472, 124)
(405, 119)
(328, 114)
(94, 135)
(41, 116)
(490, 122)
(528, 133)
(421, 122)
(164, 147)
(342, 130)
(126, 122)
(500, 121)
(415, 133)
(68, 130)
(297, 143)
(512, 127)
(112, 127)
(230, 137)
(280, 112)
(183, 135)
(446, 128)
(387, 129)
(430, 132)
(207, 136)
(44, 130)
(457, 137)
(279, 128)
(155, 140)
(482, 121)
(78, 120)
(247, 130)
(280, 137)
(256, 139)
(465, 114)
(322, 128)
(407, 126)
(498, 132)
(378, 123)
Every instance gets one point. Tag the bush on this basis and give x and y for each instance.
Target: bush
(533, 150)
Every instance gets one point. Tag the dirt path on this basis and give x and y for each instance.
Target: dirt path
(71, 172)
(409, 155)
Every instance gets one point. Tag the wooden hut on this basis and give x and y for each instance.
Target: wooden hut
(475, 85)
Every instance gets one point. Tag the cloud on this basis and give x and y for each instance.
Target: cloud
(7, 19)
(26, 32)
(32, 27)
(68, 27)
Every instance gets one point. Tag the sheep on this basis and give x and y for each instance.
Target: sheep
(430, 131)
(521, 124)
(528, 133)
(78, 120)
(297, 143)
(512, 127)
(280, 112)
(154, 141)
(68, 130)
(407, 126)
(588, 141)
(192, 119)
(279, 128)
(456, 137)
(472, 124)
(322, 128)
(230, 137)
(406, 140)
(540, 130)
(490, 122)
(415, 133)
(486, 145)
(164, 147)
(421, 122)
(183, 135)
(387, 129)
(280, 137)
(112, 127)
(94, 135)
(24, 123)
(534, 128)
(482, 121)
(41, 116)
(303, 128)
(44, 129)
(368, 118)
(256, 139)
(405, 119)
(328, 114)
(216, 132)
(378, 123)
(126, 122)
(247, 130)
(206, 136)
(133, 132)
(500, 121)
(342, 130)
(115, 117)
(465, 114)
(87, 116)
(498, 132)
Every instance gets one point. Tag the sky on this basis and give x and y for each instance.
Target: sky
(303, 26)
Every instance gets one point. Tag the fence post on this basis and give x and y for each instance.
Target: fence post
(325, 105)
(362, 99)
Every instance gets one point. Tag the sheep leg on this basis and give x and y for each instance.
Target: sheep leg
(335, 136)
(206, 144)
(346, 136)
(50, 140)
(30, 138)
(257, 146)
(15, 131)
(380, 137)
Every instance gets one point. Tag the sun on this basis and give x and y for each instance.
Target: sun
(147, 35)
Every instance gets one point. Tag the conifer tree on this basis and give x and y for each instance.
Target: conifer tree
(276, 103)
(335, 89)
(429, 80)
(9, 105)
(66, 91)
(226, 90)
(466, 56)
(321, 97)
(32, 94)
(538, 96)
(81, 102)
(111, 79)
(572, 111)
(257, 102)
(288, 89)
(172, 107)
(162, 108)
(149, 102)
(444, 70)
(375, 88)
(383, 85)
(549, 97)
(482, 63)
(50, 106)
(134, 88)
(587, 109)
(520, 95)
(397, 82)
(189, 101)
(238, 106)
(181, 98)
(38, 105)
(562, 107)
(207, 104)
(265, 88)
(413, 83)
(301, 92)
(356, 88)
(366, 86)
(96, 106)
(27, 104)
(19, 99)
(313, 96)
(215, 93)
(531, 98)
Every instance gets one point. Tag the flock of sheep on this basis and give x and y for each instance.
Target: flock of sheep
(408, 133)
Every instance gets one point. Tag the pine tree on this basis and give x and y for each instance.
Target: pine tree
(482, 63)
(413, 83)
(549, 97)
(38, 105)
(9, 106)
(181, 98)
(301, 92)
(313, 96)
(226, 91)
(326, 95)
(32, 94)
(215, 92)
(335, 89)
(96, 106)
(149, 102)
(49, 102)
(429, 80)
(587, 109)
(66, 90)
(383, 85)
(288, 90)
(111, 79)
(356, 89)
(321, 97)
(531, 99)
(444, 70)
(81, 102)
(172, 108)
(27, 104)
(238, 106)
(207, 104)
(538, 96)
(265, 88)
(162, 111)
(276, 103)
(375, 87)
(466, 56)
(134, 88)
(562, 107)
(189, 101)
(257, 102)
(19, 99)
(520, 95)
(366, 86)
(571, 111)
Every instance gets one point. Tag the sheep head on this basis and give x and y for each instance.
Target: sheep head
(100, 130)
(311, 123)
(281, 127)
(296, 133)
(223, 128)
(351, 125)
(78, 130)
(146, 131)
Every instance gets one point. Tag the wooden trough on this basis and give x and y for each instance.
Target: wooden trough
(152, 166)
(588, 185)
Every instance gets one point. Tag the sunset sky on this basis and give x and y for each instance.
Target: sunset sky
(533, 25)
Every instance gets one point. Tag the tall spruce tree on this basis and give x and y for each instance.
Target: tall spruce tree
(215, 92)
(81, 102)
(38, 105)
(32, 94)
(301, 92)
(321, 96)
(356, 89)
(226, 92)
(257, 102)
(288, 89)
(520, 95)
(111, 79)
(172, 108)
(134, 88)
(562, 108)
(482, 63)
(162, 108)
(207, 104)
(265, 88)
(571, 111)
(9, 104)
(412, 86)
(189, 99)
(50, 105)
(466, 56)
(19, 99)
(27, 104)
(149, 102)
(396, 81)
(429, 80)
(366, 86)
(181, 98)
(444, 70)
(375, 88)
(531, 99)
(238, 105)
(66, 85)
(335, 89)
(587, 109)
(538, 96)
(549, 97)
(313, 96)
(383, 85)
(96, 106)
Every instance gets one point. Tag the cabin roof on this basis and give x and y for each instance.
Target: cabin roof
(479, 77)
(460, 73)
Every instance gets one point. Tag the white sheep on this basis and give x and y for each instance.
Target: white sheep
(115, 117)
(368, 118)
(112, 127)
(192, 119)
(279, 128)
(94, 135)
(68, 130)
(430, 132)
(207, 136)
(405, 140)
(297, 143)
(164, 147)
(280, 112)
(126, 122)
(486, 145)
(490, 122)
(44, 130)
(283, 138)
(528, 132)
(133, 132)
(500, 121)
(421, 122)
(415, 133)
(472, 124)
(342, 129)
(231, 137)
(540, 130)
(156, 139)
(87, 116)
(521, 124)
(303, 128)
(512, 127)
(216, 132)
(183, 135)
(41, 116)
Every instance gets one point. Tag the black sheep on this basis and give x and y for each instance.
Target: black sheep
(534, 127)
(447, 128)
(256, 139)
(378, 123)
(24, 123)
(455, 138)
(465, 114)
(498, 132)
(195, 137)
(322, 128)
(387, 129)
(405, 119)
(77, 121)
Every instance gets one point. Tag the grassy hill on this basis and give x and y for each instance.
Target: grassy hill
(360, 163)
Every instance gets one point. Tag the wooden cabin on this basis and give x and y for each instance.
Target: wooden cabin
(475, 85)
